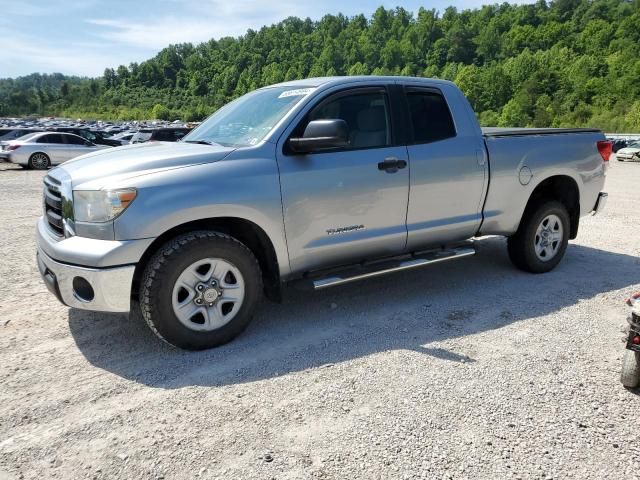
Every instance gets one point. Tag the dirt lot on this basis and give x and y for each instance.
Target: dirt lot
(462, 370)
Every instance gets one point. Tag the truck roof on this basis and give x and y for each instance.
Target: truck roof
(321, 81)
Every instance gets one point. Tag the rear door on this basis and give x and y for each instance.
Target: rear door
(448, 171)
(343, 206)
(55, 147)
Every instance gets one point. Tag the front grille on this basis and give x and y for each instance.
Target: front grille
(53, 205)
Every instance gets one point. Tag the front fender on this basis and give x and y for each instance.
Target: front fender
(244, 188)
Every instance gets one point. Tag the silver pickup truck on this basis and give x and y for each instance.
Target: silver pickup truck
(320, 181)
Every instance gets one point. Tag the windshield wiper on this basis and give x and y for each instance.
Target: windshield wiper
(201, 142)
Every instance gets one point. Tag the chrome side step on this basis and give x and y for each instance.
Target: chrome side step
(375, 269)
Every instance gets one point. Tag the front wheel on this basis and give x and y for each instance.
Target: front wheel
(630, 376)
(542, 238)
(200, 290)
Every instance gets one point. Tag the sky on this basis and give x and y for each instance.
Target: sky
(83, 37)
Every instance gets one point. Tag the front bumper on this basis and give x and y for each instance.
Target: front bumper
(109, 289)
(87, 273)
(600, 202)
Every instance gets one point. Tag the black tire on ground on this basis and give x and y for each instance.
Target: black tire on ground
(630, 376)
(166, 266)
(521, 246)
(34, 164)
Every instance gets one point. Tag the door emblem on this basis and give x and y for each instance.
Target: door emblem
(352, 228)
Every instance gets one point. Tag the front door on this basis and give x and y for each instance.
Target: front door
(345, 206)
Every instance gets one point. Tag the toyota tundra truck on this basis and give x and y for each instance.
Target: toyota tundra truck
(317, 182)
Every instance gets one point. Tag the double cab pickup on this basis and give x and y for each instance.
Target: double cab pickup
(321, 181)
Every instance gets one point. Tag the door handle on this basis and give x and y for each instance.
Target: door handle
(391, 164)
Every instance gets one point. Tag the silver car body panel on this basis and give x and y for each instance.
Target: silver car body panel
(90, 252)
(329, 208)
(572, 155)
(111, 286)
(430, 220)
(341, 192)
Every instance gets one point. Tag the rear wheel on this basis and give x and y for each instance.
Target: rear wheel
(630, 376)
(39, 161)
(200, 290)
(542, 238)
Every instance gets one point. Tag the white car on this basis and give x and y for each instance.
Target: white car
(124, 138)
(41, 150)
(630, 153)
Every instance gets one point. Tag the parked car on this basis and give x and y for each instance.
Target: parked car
(93, 137)
(307, 181)
(172, 134)
(41, 150)
(141, 136)
(8, 134)
(629, 153)
(123, 138)
(618, 144)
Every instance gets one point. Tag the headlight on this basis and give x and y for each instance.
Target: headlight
(100, 206)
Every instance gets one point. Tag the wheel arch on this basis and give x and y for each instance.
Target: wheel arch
(563, 188)
(246, 231)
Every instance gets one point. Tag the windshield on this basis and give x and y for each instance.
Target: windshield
(634, 145)
(247, 120)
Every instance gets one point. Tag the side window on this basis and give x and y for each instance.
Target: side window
(73, 140)
(56, 138)
(430, 117)
(46, 139)
(366, 115)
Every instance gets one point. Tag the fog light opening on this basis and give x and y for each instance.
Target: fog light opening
(82, 289)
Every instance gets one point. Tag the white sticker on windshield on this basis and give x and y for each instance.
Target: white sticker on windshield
(296, 92)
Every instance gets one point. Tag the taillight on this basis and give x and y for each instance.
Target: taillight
(605, 147)
(13, 147)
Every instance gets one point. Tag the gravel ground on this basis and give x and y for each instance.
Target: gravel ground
(470, 369)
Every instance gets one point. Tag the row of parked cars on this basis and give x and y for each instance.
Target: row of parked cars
(39, 147)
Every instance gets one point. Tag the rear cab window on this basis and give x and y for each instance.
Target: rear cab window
(430, 116)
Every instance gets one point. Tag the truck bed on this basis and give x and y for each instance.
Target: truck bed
(520, 158)
(516, 132)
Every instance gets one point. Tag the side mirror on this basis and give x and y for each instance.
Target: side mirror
(321, 135)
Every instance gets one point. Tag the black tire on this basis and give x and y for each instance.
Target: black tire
(630, 376)
(521, 246)
(33, 165)
(170, 261)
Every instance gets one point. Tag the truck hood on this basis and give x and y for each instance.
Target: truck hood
(101, 168)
